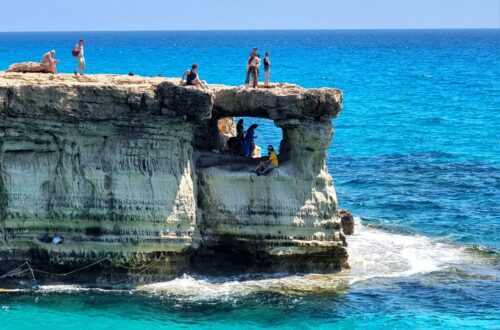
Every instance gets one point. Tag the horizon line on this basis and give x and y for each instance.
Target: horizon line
(259, 30)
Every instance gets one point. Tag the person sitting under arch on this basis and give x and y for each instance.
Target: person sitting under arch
(267, 166)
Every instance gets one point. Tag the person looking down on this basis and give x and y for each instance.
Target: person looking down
(270, 164)
(192, 78)
(49, 61)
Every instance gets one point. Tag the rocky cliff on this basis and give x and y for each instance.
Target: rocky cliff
(122, 168)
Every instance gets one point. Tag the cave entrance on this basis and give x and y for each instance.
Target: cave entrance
(266, 133)
(218, 145)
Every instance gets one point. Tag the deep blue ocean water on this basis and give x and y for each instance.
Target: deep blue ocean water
(416, 156)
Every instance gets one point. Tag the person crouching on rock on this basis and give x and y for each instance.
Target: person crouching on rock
(80, 57)
(267, 166)
(192, 78)
(50, 62)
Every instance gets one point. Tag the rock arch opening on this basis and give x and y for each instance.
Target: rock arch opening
(221, 138)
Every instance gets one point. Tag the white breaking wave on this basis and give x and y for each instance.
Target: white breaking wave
(372, 253)
(378, 253)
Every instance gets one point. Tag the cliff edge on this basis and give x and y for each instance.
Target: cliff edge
(122, 168)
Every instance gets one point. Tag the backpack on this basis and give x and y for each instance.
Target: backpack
(75, 51)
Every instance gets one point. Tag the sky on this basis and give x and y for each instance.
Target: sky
(114, 15)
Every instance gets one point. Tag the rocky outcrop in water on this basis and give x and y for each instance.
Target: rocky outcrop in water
(347, 221)
(122, 168)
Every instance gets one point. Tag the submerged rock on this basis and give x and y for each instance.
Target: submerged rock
(123, 168)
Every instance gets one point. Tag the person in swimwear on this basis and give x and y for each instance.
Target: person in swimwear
(192, 78)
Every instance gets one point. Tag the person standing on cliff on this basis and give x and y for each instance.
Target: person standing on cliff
(267, 68)
(253, 70)
(80, 57)
(253, 65)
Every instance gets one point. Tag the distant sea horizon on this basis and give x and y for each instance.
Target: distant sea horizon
(258, 30)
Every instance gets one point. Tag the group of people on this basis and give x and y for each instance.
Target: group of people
(50, 62)
(253, 66)
(244, 144)
(189, 78)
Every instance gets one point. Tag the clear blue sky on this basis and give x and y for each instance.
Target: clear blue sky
(91, 15)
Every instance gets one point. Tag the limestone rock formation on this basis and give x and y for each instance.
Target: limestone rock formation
(122, 168)
(33, 67)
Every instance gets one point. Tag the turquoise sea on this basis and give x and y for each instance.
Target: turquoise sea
(415, 156)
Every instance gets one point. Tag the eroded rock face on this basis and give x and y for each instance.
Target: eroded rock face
(116, 166)
(28, 67)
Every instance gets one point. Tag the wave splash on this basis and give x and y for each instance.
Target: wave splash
(378, 253)
(373, 253)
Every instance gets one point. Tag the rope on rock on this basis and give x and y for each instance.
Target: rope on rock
(34, 283)
(10, 273)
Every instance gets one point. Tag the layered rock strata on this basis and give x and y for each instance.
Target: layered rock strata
(122, 168)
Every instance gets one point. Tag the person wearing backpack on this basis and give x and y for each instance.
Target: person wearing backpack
(79, 54)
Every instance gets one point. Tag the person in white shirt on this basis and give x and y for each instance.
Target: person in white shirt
(253, 65)
(80, 57)
(49, 61)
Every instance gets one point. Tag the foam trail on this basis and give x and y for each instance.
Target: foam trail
(375, 253)
(372, 253)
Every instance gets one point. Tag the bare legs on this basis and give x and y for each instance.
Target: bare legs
(52, 65)
(262, 169)
(268, 74)
(255, 77)
(81, 66)
(198, 82)
(53, 68)
(252, 72)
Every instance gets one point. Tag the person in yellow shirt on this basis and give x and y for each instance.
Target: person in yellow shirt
(267, 166)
